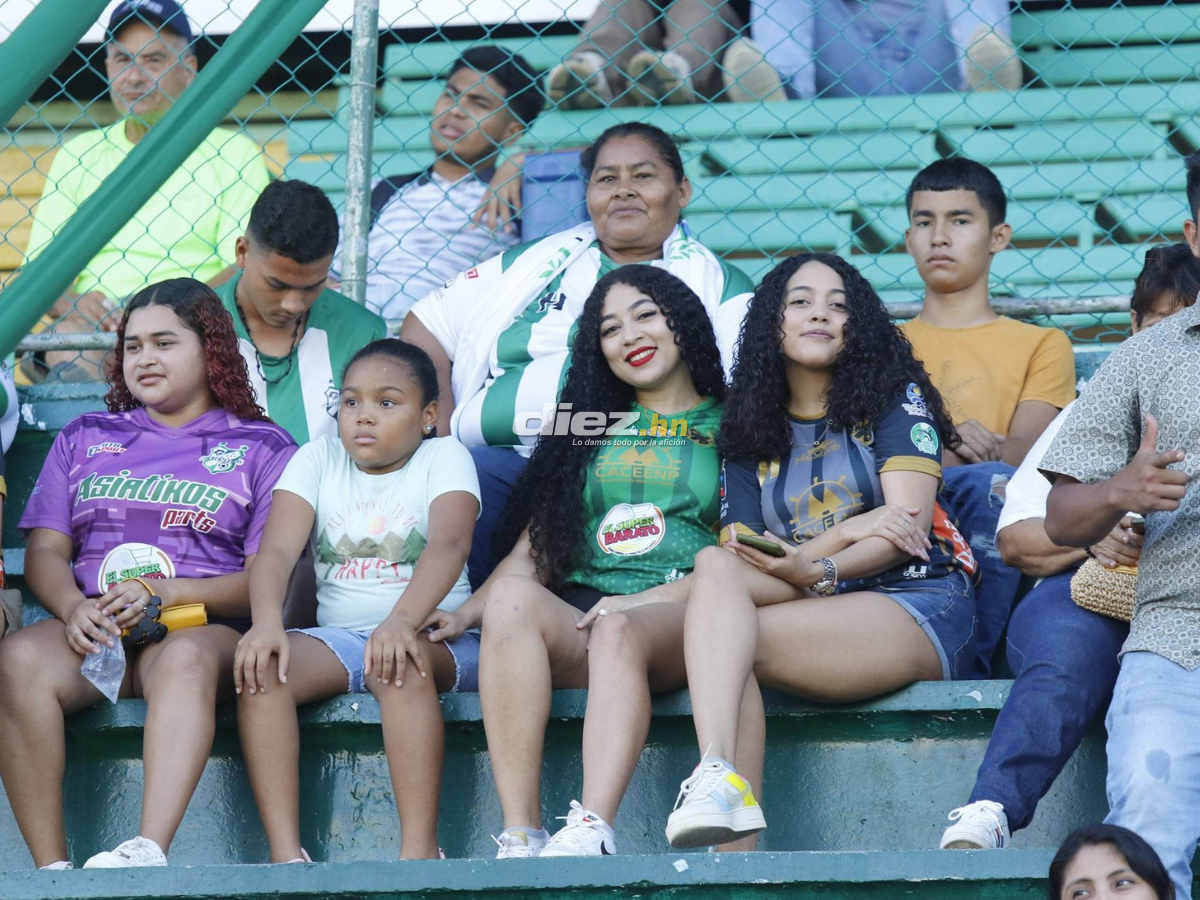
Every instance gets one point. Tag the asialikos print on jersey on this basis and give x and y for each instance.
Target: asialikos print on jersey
(142, 500)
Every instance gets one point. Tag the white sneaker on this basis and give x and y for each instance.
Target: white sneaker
(748, 77)
(578, 82)
(138, 851)
(715, 806)
(981, 825)
(520, 843)
(660, 78)
(62, 865)
(585, 834)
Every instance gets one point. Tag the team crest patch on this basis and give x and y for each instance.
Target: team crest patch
(221, 459)
(924, 438)
(332, 398)
(105, 447)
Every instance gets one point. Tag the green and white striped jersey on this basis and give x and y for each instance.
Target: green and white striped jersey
(529, 361)
(651, 501)
(300, 391)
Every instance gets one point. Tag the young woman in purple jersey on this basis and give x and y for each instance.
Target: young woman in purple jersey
(169, 491)
(388, 509)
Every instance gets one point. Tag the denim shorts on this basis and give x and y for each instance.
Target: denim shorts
(348, 647)
(945, 609)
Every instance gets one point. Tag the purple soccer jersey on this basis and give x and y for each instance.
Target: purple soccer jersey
(143, 500)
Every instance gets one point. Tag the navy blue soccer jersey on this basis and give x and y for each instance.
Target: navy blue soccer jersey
(830, 476)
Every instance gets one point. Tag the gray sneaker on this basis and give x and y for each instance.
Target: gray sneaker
(660, 78)
(747, 75)
(578, 82)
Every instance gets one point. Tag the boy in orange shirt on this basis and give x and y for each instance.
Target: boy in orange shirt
(1003, 380)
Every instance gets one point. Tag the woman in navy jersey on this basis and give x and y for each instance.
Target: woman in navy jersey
(829, 416)
(158, 502)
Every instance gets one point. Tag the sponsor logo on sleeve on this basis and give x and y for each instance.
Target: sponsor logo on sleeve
(916, 402)
(133, 560)
(631, 529)
(924, 438)
(222, 459)
(471, 273)
(105, 447)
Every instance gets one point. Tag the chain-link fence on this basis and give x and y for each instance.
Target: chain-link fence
(800, 125)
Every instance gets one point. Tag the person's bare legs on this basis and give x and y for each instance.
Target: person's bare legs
(842, 649)
(270, 735)
(414, 738)
(720, 635)
(529, 646)
(618, 30)
(699, 30)
(751, 747)
(182, 679)
(40, 683)
(630, 654)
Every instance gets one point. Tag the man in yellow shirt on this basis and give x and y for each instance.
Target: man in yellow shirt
(188, 228)
(1003, 381)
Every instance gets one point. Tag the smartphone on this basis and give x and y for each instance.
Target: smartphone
(1139, 524)
(762, 544)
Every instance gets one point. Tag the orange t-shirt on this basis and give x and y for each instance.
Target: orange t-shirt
(986, 371)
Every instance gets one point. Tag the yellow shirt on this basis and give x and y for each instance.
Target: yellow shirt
(986, 371)
(189, 226)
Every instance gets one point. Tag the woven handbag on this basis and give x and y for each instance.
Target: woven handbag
(1109, 592)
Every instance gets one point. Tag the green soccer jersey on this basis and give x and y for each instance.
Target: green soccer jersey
(300, 391)
(651, 501)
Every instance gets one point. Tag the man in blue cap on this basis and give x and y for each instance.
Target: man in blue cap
(188, 228)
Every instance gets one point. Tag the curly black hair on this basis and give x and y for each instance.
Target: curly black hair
(548, 497)
(873, 367)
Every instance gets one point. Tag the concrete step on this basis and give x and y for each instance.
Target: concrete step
(926, 874)
(879, 775)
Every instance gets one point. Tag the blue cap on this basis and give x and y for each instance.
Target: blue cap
(165, 13)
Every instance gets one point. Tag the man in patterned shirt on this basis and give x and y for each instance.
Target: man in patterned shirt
(1131, 443)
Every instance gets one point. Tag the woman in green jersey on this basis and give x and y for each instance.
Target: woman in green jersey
(605, 526)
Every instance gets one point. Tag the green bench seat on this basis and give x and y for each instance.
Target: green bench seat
(927, 874)
(900, 762)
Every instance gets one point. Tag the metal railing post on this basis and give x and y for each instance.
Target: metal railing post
(35, 48)
(250, 50)
(364, 55)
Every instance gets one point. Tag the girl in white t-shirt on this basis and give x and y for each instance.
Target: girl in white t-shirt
(388, 511)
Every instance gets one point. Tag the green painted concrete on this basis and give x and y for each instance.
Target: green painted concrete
(873, 776)
(927, 875)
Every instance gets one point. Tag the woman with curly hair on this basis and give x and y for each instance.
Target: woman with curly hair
(157, 503)
(605, 526)
(829, 416)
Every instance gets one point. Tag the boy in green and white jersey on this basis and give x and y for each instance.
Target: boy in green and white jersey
(295, 334)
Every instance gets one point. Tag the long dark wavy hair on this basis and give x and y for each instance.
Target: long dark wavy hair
(201, 312)
(1139, 856)
(548, 497)
(875, 365)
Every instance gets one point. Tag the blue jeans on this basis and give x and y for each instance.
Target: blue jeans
(1154, 759)
(844, 48)
(971, 494)
(1064, 659)
(498, 469)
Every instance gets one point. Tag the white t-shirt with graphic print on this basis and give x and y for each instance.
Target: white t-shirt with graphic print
(369, 530)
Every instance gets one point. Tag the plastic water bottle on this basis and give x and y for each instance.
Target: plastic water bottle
(106, 669)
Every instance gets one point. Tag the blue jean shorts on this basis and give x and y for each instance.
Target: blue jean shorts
(348, 647)
(945, 609)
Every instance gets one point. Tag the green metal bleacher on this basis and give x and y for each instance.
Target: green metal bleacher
(1091, 155)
